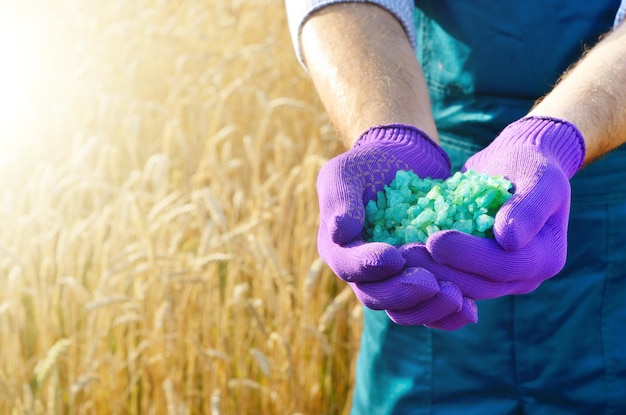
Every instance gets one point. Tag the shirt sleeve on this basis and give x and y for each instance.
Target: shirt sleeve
(621, 13)
(299, 10)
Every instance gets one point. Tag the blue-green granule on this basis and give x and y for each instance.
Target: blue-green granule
(411, 208)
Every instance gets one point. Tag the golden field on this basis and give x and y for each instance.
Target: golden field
(158, 214)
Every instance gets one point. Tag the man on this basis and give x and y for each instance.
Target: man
(551, 287)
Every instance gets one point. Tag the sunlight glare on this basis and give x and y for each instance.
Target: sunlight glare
(17, 76)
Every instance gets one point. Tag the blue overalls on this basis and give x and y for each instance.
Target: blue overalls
(562, 348)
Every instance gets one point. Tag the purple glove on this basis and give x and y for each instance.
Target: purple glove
(376, 271)
(538, 155)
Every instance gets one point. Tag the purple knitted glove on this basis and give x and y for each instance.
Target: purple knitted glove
(538, 155)
(376, 271)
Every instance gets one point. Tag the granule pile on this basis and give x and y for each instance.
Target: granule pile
(411, 208)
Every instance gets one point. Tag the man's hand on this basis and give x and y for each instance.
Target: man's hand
(376, 271)
(538, 155)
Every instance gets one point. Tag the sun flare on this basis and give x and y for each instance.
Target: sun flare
(18, 75)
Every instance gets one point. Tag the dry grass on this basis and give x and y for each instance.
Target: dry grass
(158, 218)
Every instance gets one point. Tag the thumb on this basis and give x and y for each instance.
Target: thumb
(359, 261)
(340, 198)
(532, 205)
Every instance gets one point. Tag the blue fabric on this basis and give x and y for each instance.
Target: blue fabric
(486, 62)
(559, 349)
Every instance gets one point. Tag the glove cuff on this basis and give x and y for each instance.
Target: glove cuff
(405, 135)
(554, 136)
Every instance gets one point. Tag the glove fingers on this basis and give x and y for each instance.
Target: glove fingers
(404, 291)
(448, 301)
(471, 285)
(467, 315)
(485, 257)
(533, 204)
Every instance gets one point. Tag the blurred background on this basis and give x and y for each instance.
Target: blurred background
(158, 214)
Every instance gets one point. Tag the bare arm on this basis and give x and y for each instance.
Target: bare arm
(365, 69)
(592, 95)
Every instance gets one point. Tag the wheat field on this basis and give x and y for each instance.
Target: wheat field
(158, 215)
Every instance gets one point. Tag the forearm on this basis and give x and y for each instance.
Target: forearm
(365, 70)
(592, 95)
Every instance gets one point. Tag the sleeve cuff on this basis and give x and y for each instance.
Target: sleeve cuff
(621, 13)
